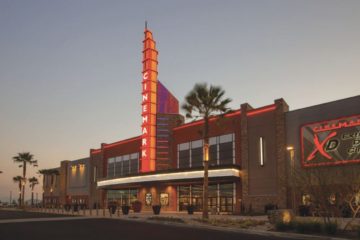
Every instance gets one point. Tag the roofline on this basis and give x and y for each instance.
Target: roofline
(322, 104)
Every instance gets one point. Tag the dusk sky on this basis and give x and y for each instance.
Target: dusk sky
(70, 71)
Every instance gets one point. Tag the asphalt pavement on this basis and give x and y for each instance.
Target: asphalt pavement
(109, 229)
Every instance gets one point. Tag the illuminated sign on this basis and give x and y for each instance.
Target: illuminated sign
(148, 199)
(333, 142)
(149, 101)
(164, 199)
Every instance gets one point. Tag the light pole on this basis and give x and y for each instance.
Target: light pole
(291, 151)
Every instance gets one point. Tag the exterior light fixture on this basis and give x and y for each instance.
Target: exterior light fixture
(206, 152)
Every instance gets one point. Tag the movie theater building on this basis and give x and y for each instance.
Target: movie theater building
(67, 184)
(249, 165)
(325, 137)
(164, 165)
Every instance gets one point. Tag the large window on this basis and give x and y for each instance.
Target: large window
(197, 153)
(184, 155)
(122, 197)
(221, 152)
(221, 197)
(226, 147)
(123, 165)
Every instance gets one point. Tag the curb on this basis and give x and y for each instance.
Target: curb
(53, 219)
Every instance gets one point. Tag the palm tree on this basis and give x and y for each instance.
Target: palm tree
(205, 102)
(24, 158)
(33, 182)
(19, 180)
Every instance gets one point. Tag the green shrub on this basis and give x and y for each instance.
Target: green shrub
(330, 228)
(308, 227)
(281, 226)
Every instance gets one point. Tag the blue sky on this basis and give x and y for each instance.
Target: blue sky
(70, 71)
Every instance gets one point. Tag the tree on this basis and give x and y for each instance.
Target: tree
(205, 102)
(23, 159)
(33, 182)
(20, 181)
(331, 190)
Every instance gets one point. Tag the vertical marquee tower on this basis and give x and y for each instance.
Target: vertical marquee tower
(149, 92)
(160, 112)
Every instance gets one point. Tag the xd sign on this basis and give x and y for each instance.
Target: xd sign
(332, 142)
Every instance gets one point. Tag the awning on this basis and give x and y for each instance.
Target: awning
(184, 175)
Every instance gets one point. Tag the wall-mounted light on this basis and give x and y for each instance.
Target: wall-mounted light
(261, 149)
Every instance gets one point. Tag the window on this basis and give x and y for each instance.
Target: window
(226, 145)
(184, 155)
(118, 166)
(123, 165)
(221, 152)
(126, 164)
(197, 153)
(213, 151)
(122, 197)
(221, 197)
(134, 163)
(111, 167)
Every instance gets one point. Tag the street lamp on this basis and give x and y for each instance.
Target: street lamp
(291, 151)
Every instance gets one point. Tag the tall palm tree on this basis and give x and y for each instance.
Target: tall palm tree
(19, 180)
(204, 102)
(33, 182)
(23, 159)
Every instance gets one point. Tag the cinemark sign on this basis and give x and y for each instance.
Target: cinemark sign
(332, 142)
(149, 99)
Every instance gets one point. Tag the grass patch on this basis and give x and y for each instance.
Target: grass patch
(247, 223)
(167, 219)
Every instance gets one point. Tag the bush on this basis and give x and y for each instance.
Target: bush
(345, 211)
(330, 228)
(281, 226)
(308, 227)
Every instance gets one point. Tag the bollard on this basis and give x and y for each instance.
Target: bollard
(97, 210)
(118, 212)
(104, 212)
(90, 212)
(84, 211)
